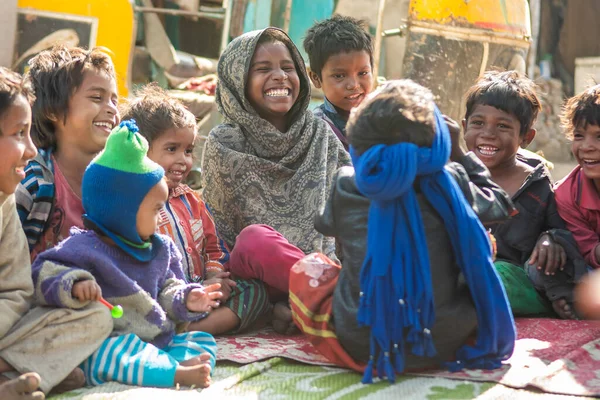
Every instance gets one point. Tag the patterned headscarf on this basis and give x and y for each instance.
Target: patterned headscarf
(255, 174)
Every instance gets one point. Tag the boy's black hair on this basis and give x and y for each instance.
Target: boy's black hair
(56, 74)
(508, 91)
(155, 112)
(399, 111)
(338, 34)
(13, 85)
(581, 110)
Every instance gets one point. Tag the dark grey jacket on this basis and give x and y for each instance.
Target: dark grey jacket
(345, 217)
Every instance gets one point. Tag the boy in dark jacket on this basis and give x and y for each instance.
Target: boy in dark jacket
(537, 259)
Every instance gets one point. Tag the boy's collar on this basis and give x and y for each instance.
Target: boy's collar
(329, 106)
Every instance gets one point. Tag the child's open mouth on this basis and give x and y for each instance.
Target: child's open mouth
(590, 163)
(176, 174)
(487, 151)
(20, 171)
(354, 96)
(278, 92)
(105, 126)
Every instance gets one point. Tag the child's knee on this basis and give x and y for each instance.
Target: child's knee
(535, 275)
(255, 238)
(100, 320)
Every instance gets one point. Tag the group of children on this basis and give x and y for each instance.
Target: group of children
(94, 207)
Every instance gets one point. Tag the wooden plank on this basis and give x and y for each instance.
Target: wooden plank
(8, 30)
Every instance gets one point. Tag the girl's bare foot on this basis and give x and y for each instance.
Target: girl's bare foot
(194, 372)
(75, 380)
(282, 319)
(563, 309)
(22, 388)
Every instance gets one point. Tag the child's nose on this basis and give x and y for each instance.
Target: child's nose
(488, 131)
(280, 75)
(586, 145)
(30, 149)
(351, 83)
(112, 109)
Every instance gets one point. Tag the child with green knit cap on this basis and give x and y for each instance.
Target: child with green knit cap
(122, 259)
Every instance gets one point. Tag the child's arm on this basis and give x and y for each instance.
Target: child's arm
(215, 251)
(34, 198)
(325, 218)
(16, 286)
(188, 302)
(175, 293)
(586, 237)
(548, 255)
(56, 283)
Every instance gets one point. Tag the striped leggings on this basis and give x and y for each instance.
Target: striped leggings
(128, 359)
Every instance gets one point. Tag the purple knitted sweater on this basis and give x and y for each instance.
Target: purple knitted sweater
(153, 294)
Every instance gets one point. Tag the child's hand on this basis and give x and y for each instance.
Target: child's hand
(548, 255)
(86, 291)
(456, 136)
(205, 299)
(227, 284)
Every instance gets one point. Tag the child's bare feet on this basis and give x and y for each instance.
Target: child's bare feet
(22, 388)
(282, 319)
(194, 372)
(75, 380)
(563, 309)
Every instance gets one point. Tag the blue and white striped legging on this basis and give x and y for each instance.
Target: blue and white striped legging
(130, 360)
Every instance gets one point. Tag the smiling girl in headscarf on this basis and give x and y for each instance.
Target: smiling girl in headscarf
(269, 166)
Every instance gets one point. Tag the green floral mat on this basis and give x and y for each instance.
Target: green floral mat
(278, 378)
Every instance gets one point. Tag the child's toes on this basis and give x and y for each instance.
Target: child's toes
(26, 383)
(205, 371)
(563, 309)
(22, 388)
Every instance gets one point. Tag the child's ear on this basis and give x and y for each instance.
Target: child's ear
(464, 124)
(528, 138)
(314, 79)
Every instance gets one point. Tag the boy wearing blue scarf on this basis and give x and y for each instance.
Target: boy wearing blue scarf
(418, 281)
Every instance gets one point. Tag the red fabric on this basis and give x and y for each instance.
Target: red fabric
(260, 252)
(578, 204)
(311, 299)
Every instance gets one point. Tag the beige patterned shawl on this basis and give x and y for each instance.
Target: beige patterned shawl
(254, 174)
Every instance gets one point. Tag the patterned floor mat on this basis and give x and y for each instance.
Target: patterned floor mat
(281, 379)
(551, 356)
(555, 356)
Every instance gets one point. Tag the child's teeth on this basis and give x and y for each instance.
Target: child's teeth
(487, 150)
(277, 92)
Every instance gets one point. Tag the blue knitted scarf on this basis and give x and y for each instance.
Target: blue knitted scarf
(396, 291)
